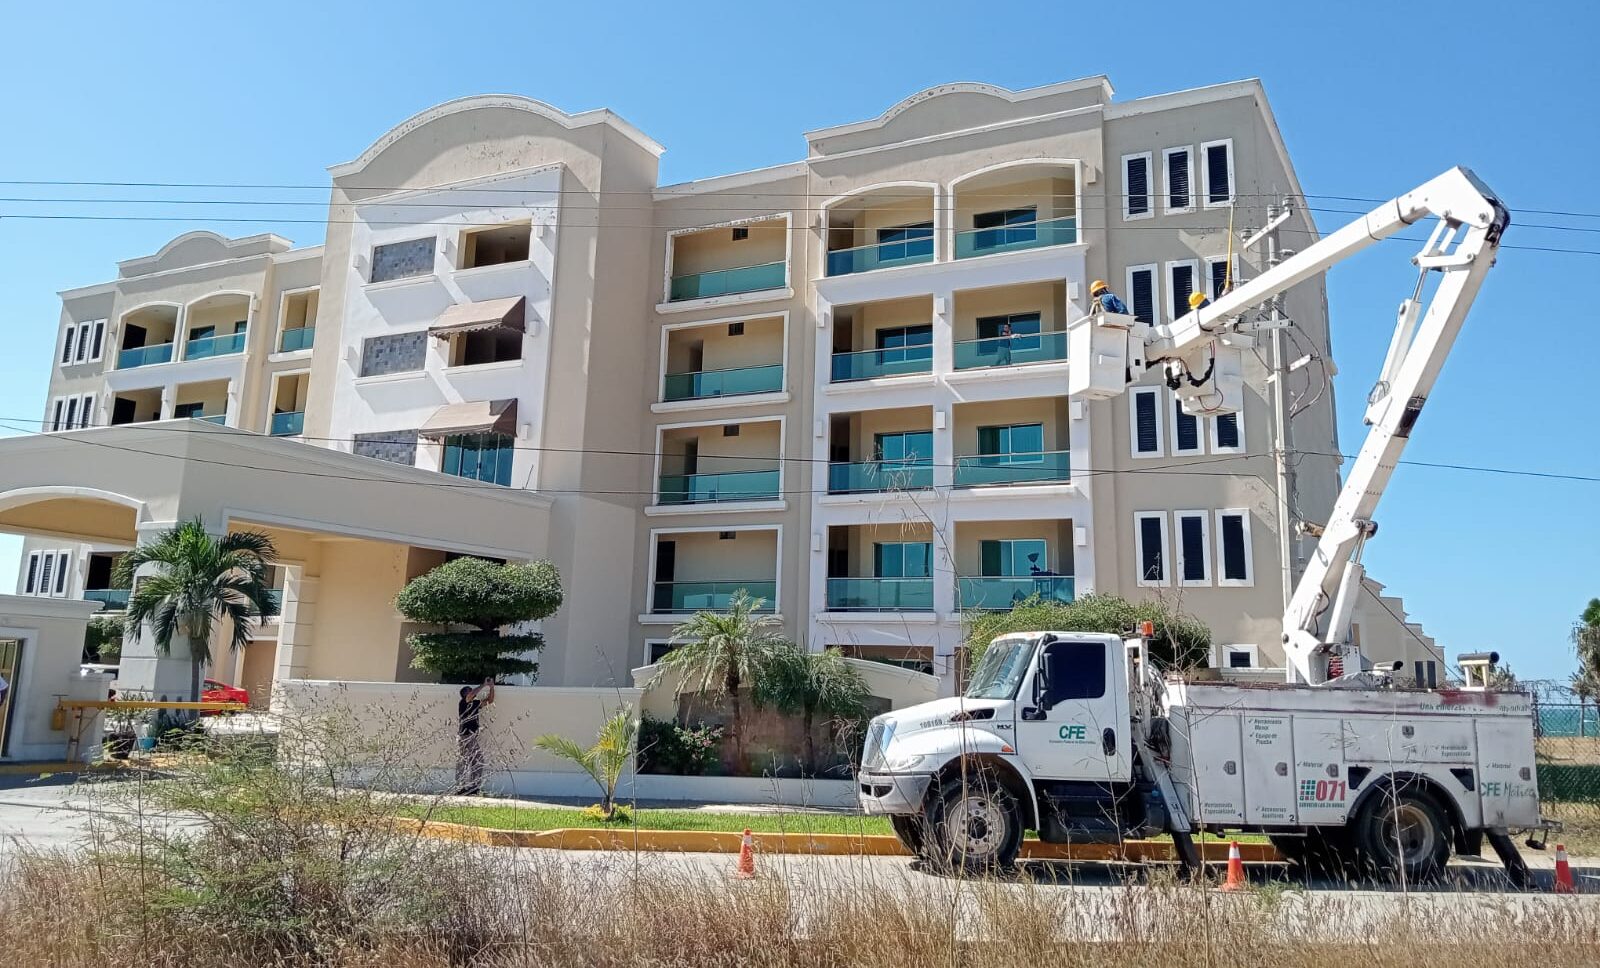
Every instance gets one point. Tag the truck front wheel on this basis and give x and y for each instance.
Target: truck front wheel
(910, 831)
(975, 823)
(1402, 832)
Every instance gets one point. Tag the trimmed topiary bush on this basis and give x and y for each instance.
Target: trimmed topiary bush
(486, 596)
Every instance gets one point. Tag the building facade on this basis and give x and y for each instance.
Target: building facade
(838, 385)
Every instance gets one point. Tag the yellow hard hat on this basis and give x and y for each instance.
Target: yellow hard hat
(1195, 299)
(1098, 286)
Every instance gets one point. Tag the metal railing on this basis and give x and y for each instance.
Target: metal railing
(734, 381)
(727, 282)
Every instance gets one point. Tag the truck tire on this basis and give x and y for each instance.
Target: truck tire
(1401, 832)
(974, 824)
(911, 832)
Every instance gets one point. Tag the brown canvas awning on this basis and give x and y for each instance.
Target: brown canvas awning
(488, 314)
(477, 417)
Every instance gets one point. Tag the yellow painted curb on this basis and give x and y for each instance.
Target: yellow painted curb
(727, 842)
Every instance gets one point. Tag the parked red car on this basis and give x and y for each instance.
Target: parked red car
(214, 691)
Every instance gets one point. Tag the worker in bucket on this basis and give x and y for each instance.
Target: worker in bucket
(1198, 300)
(1106, 299)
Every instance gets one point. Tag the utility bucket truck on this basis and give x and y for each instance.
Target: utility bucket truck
(1080, 737)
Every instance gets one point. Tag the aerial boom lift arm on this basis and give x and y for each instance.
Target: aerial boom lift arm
(1201, 353)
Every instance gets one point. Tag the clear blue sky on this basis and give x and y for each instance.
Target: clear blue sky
(1372, 98)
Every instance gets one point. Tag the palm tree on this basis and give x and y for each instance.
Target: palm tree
(811, 684)
(606, 759)
(718, 652)
(1586, 641)
(200, 581)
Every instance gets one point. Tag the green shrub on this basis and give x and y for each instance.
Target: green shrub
(1179, 640)
(485, 596)
(665, 746)
(102, 640)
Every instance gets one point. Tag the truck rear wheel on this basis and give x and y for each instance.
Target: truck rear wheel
(1317, 851)
(975, 824)
(1402, 832)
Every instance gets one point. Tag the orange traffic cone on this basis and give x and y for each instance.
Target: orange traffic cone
(1235, 881)
(1564, 883)
(746, 868)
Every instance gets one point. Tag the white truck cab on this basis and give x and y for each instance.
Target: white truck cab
(1078, 736)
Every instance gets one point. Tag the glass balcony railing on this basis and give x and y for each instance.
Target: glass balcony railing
(1013, 238)
(988, 469)
(879, 255)
(869, 364)
(275, 596)
(288, 424)
(880, 594)
(727, 282)
(299, 338)
(714, 596)
(220, 419)
(110, 599)
(199, 349)
(144, 356)
(998, 594)
(724, 383)
(879, 475)
(714, 488)
(974, 354)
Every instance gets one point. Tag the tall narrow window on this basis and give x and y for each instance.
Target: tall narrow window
(1180, 188)
(1144, 421)
(1136, 201)
(1219, 276)
(1216, 159)
(1186, 437)
(1234, 567)
(59, 590)
(1194, 547)
(31, 583)
(1227, 434)
(58, 414)
(1142, 293)
(69, 341)
(72, 413)
(1181, 283)
(97, 344)
(1150, 552)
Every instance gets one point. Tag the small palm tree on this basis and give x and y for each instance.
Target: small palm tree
(201, 581)
(812, 684)
(606, 759)
(719, 652)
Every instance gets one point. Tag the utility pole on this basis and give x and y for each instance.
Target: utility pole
(1277, 381)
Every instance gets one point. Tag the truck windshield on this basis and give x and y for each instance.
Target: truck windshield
(1000, 670)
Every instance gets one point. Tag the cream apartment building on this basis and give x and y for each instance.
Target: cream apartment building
(838, 384)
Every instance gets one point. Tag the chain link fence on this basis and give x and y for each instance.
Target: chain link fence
(1567, 745)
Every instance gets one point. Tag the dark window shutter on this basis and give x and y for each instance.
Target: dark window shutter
(1144, 296)
(1151, 567)
(1228, 431)
(1217, 187)
(1144, 409)
(61, 573)
(1138, 185)
(1182, 287)
(72, 413)
(1234, 567)
(33, 574)
(68, 344)
(1219, 277)
(1191, 531)
(55, 418)
(1178, 180)
(99, 338)
(1185, 428)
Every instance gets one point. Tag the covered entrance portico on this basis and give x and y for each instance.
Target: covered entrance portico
(349, 531)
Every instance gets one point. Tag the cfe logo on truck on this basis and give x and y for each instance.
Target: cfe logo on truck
(1074, 733)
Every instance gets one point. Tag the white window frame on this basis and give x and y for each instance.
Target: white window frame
(69, 346)
(55, 415)
(1249, 579)
(85, 404)
(1155, 287)
(1204, 581)
(98, 334)
(1166, 180)
(1197, 285)
(1149, 187)
(1233, 273)
(1205, 174)
(1133, 423)
(1165, 580)
(1200, 430)
(60, 560)
(1216, 445)
(1220, 652)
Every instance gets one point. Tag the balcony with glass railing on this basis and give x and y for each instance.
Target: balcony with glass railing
(729, 282)
(751, 485)
(698, 596)
(1015, 350)
(987, 470)
(731, 382)
(110, 599)
(144, 356)
(865, 477)
(288, 424)
(1016, 236)
(296, 339)
(1002, 593)
(879, 229)
(872, 364)
(880, 595)
(880, 255)
(728, 260)
(209, 346)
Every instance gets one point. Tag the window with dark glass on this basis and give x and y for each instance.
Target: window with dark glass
(1019, 443)
(905, 242)
(479, 457)
(397, 260)
(1007, 227)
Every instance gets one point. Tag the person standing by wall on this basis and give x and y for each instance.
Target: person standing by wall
(469, 761)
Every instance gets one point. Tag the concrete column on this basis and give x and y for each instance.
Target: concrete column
(295, 624)
(231, 408)
(169, 401)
